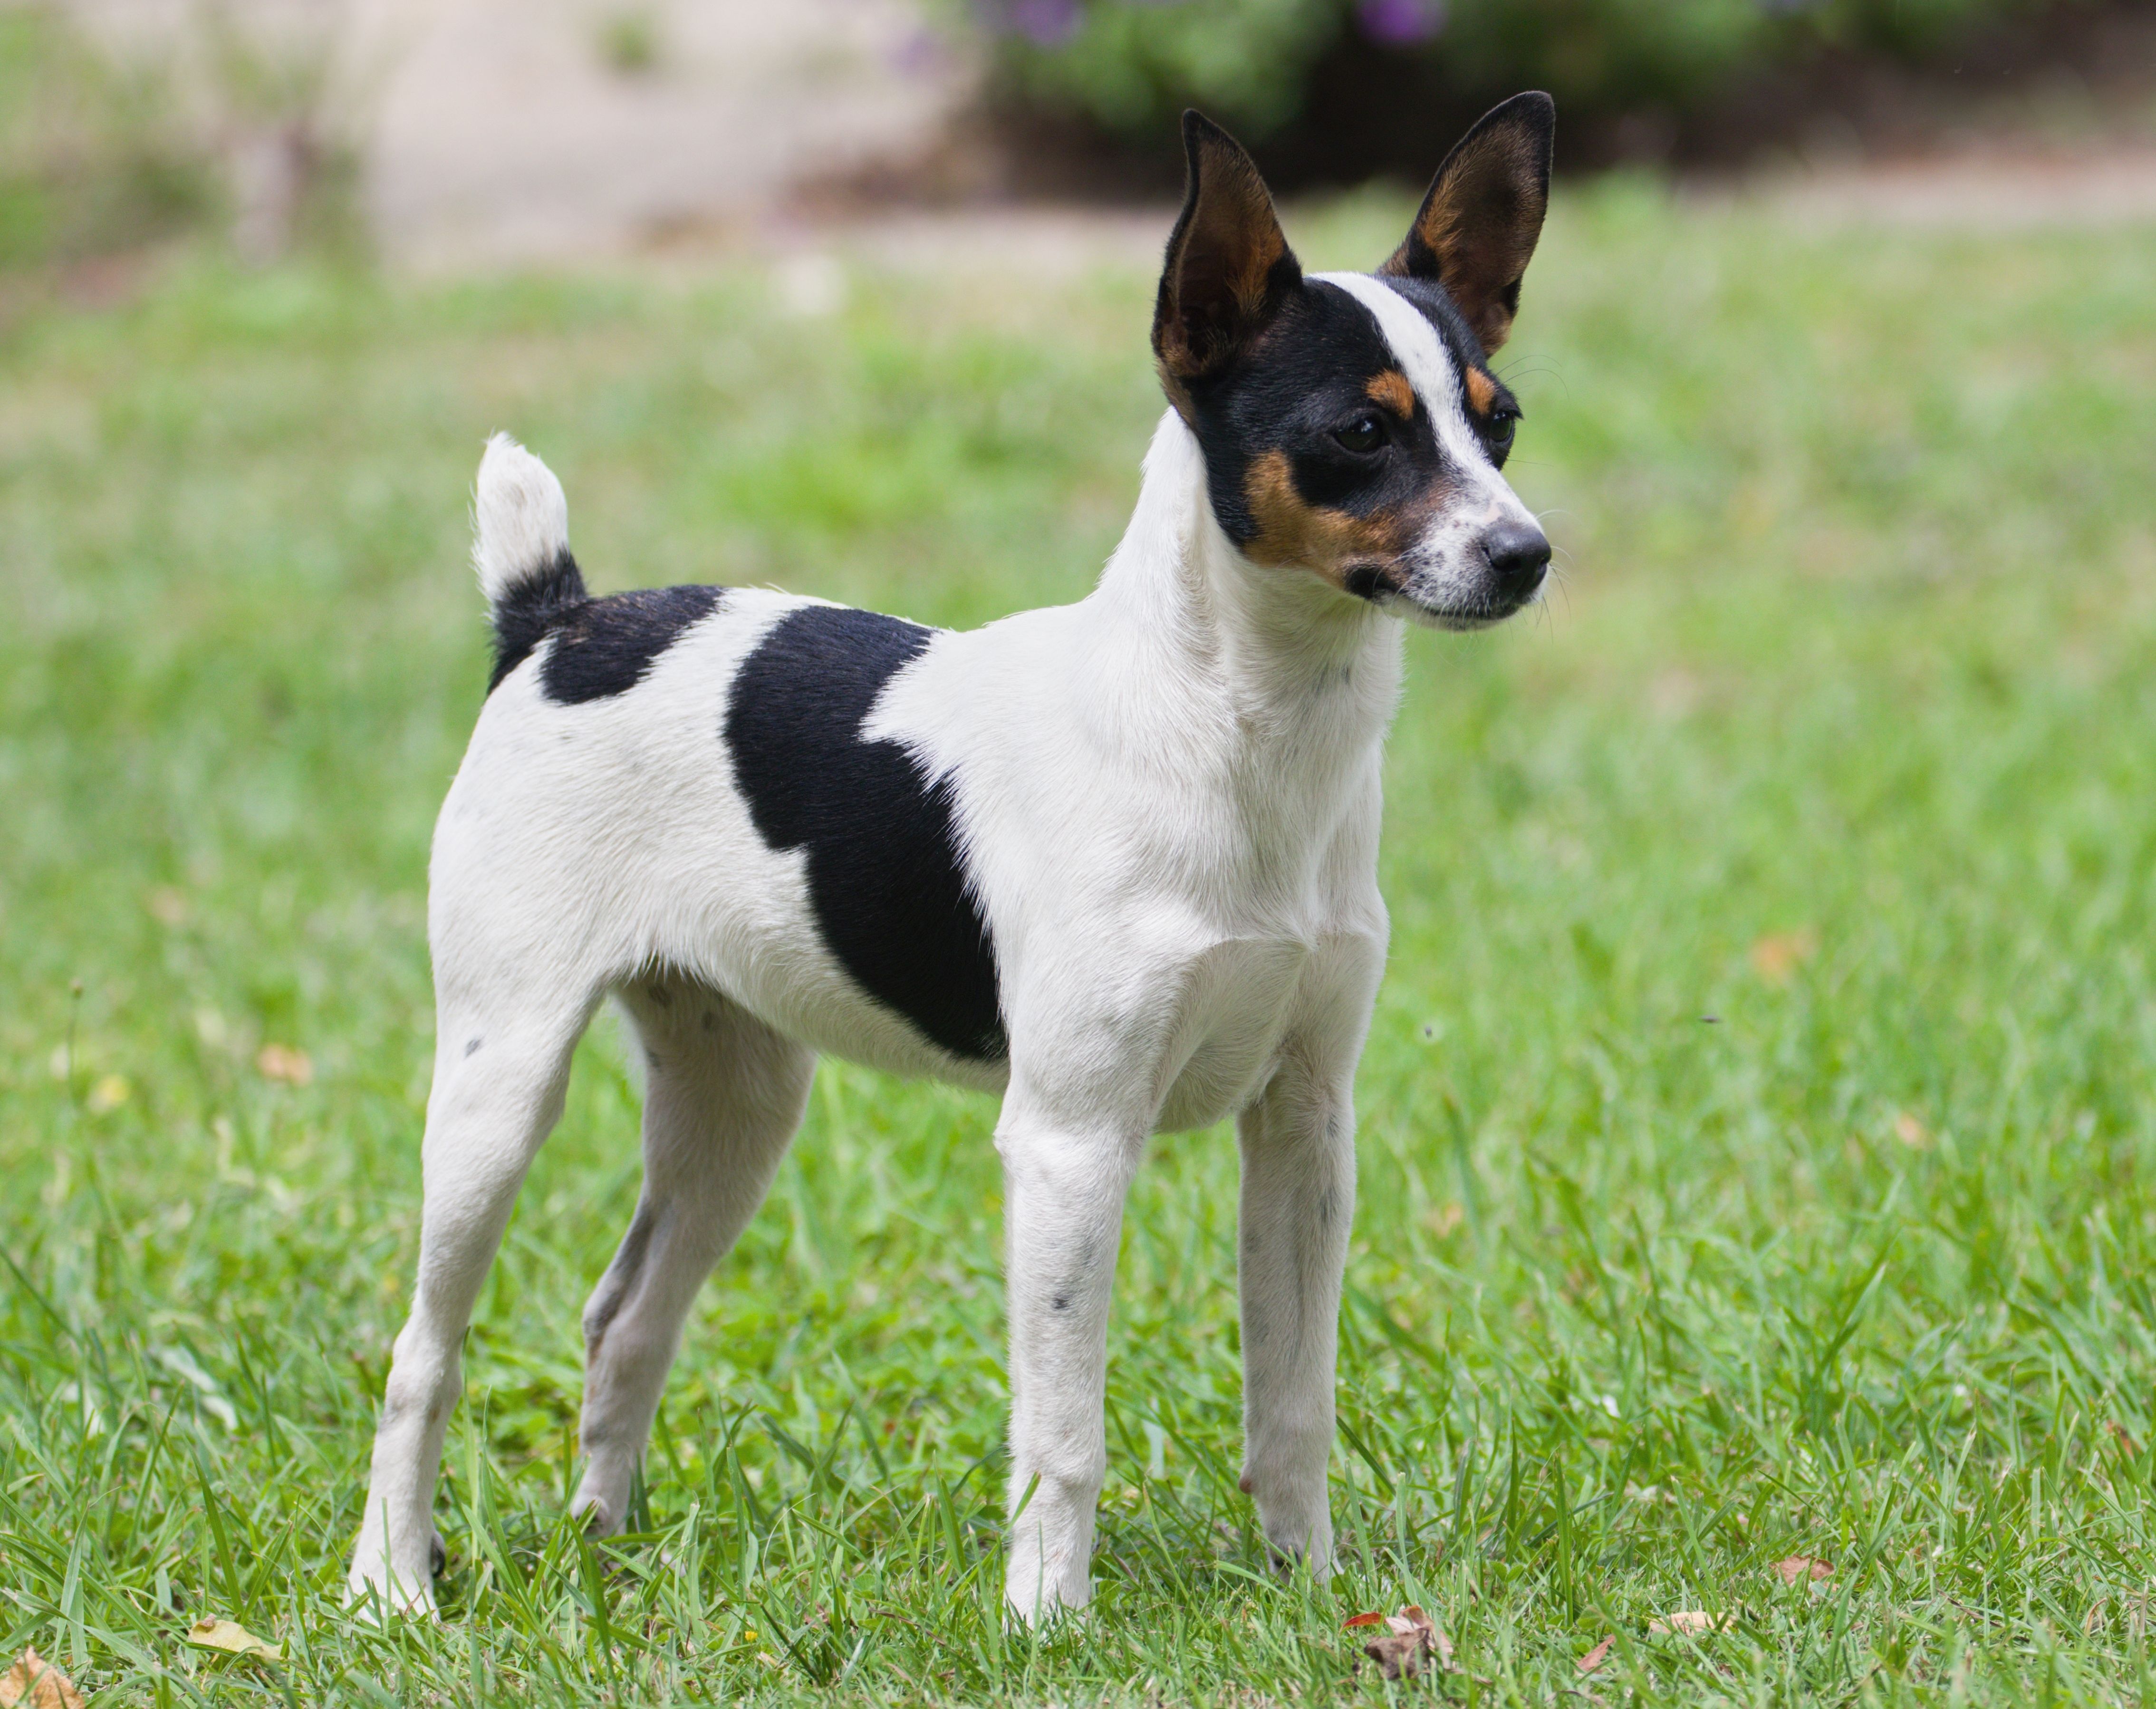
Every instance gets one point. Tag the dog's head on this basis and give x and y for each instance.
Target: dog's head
(1350, 424)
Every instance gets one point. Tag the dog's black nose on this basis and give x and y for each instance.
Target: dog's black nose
(1519, 553)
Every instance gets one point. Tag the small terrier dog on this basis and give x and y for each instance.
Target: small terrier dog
(1115, 861)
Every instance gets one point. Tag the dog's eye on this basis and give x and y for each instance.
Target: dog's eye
(1497, 436)
(1361, 435)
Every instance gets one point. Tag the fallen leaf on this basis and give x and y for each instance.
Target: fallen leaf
(1779, 954)
(1798, 1566)
(1372, 1619)
(1691, 1622)
(36, 1683)
(2125, 1439)
(1911, 1133)
(232, 1637)
(1445, 1219)
(109, 1093)
(1595, 1657)
(1411, 1639)
(283, 1062)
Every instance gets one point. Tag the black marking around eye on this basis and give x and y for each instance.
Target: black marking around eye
(1311, 373)
(886, 876)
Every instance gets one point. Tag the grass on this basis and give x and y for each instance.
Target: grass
(1756, 1144)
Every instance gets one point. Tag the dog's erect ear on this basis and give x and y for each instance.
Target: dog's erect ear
(1478, 225)
(1229, 266)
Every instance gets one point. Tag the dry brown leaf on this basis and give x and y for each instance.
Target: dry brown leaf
(1595, 1657)
(1798, 1566)
(2124, 1438)
(1911, 1133)
(1410, 1640)
(1691, 1622)
(1445, 1219)
(1778, 955)
(286, 1063)
(1372, 1619)
(232, 1637)
(36, 1683)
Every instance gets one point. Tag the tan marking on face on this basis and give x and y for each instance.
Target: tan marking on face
(1391, 389)
(1481, 391)
(1328, 542)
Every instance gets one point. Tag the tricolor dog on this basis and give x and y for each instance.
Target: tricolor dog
(1116, 861)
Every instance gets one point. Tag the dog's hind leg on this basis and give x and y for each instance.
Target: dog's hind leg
(723, 1093)
(501, 1065)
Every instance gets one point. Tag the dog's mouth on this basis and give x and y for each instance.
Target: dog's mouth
(1425, 599)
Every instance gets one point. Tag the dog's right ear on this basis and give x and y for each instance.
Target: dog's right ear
(1229, 266)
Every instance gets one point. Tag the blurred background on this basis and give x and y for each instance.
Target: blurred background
(435, 132)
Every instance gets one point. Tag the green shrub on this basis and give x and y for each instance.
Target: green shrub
(91, 156)
(1129, 65)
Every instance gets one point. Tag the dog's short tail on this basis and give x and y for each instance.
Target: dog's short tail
(520, 550)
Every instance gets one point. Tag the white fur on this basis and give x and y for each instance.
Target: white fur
(521, 517)
(1169, 793)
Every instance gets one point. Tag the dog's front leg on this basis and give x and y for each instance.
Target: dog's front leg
(1298, 1198)
(1063, 1212)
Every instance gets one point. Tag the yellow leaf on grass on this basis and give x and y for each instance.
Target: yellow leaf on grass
(229, 1636)
(36, 1683)
(1595, 1657)
(283, 1062)
(1777, 955)
(1801, 1566)
(1691, 1622)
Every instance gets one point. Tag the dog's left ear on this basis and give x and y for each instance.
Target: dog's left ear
(1478, 225)
(1229, 267)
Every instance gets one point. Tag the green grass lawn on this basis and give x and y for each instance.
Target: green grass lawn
(1756, 1149)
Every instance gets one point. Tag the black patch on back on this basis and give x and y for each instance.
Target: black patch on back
(602, 647)
(606, 646)
(886, 878)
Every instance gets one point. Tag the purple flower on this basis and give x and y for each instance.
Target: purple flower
(1400, 23)
(1046, 24)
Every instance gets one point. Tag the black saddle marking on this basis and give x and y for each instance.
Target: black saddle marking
(886, 877)
(602, 647)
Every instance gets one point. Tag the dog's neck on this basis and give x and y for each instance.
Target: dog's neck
(1296, 661)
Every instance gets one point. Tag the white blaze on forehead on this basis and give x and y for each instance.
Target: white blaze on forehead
(1423, 358)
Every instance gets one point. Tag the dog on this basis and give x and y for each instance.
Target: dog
(1115, 861)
